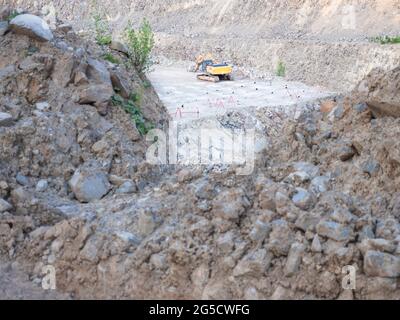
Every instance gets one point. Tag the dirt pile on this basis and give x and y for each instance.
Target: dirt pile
(381, 90)
(77, 194)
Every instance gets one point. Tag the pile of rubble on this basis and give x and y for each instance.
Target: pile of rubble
(77, 194)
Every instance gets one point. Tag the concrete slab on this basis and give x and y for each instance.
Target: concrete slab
(188, 98)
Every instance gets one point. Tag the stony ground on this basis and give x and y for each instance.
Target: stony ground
(77, 194)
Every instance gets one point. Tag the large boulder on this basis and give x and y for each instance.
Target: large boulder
(89, 184)
(381, 91)
(32, 26)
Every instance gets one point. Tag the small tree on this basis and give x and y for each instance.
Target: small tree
(102, 30)
(140, 44)
(281, 69)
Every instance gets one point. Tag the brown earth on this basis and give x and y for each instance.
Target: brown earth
(325, 192)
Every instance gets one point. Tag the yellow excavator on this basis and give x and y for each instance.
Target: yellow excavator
(210, 71)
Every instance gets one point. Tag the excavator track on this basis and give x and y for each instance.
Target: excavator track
(209, 78)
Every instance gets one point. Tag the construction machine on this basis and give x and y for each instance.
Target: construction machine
(211, 71)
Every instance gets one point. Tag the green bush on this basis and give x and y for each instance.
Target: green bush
(281, 69)
(140, 44)
(387, 40)
(130, 107)
(110, 57)
(102, 30)
(12, 15)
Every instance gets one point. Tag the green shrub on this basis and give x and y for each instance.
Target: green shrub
(12, 15)
(140, 44)
(281, 69)
(386, 40)
(110, 57)
(130, 107)
(102, 30)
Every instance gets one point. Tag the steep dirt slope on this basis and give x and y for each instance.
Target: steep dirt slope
(321, 42)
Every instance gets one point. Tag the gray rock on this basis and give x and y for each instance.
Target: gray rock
(253, 264)
(3, 27)
(6, 119)
(303, 199)
(334, 231)
(316, 244)
(342, 215)
(42, 185)
(260, 231)
(4, 206)
(229, 204)
(346, 153)
(337, 113)
(89, 185)
(299, 177)
(98, 72)
(307, 167)
(65, 27)
(320, 184)
(294, 259)
(98, 95)
(127, 187)
(32, 26)
(119, 46)
(146, 223)
(371, 167)
(379, 264)
(42, 106)
(22, 180)
(121, 84)
(307, 221)
(360, 107)
(280, 238)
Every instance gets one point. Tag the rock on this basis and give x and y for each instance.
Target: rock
(4, 206)
(97, 72)
(308, 168)
(380, 90)
(32, 26)
(89, 185)
(346, 153)
(334, 231)
(146, 223)
(337, 113)
(3, 27)
(119, 46)
(307, 221)
(371, 167)
(127, 187)
(378, 264)
(316, 244)
(254, 264)
(280, 238)
(22, 180)
(229, 204)
(294, 259)
(42, 106)
(64, 28)
(342, 215)
(5, 12)
(320, 184)
(42, 185)
(120, 83)
(98, 95)
(360, 107)
(6, 119)
(260, 231)
(303, 199)
(299, 177)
